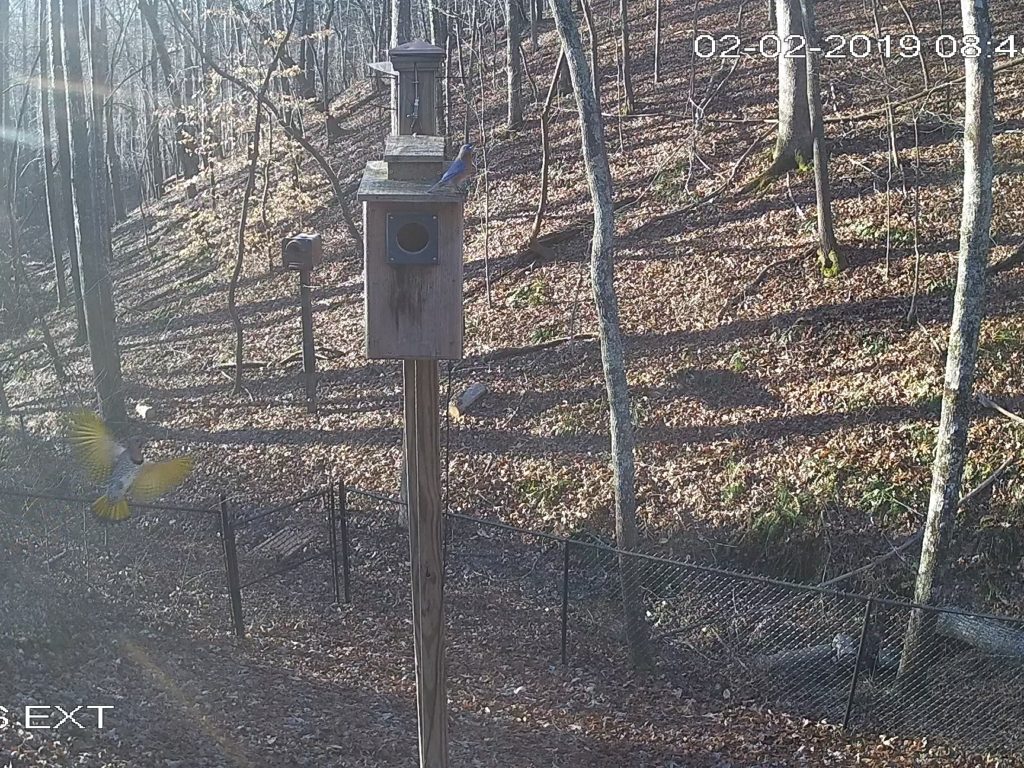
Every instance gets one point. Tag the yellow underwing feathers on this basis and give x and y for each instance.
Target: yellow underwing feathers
(157, 477)
(113, 512)
(96, 447)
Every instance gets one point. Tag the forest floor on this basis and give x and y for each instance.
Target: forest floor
(785, 419)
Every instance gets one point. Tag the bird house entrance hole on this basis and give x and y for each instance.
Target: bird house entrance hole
(412, 238)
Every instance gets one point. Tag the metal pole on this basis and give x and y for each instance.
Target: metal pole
(860, 657)
(332, 534)
(346, 566)
(227, 530)
(565, 603)
(308, 346)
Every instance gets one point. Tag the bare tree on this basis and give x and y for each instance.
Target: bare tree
(401, 30)
(602, 273)
(250, 185)
(185, 144)
(97, 288)
(55, 223)
(794, 145)
(627, 68)
(831, 260)
(968, 309)
(63, 177)
(514, 64)
(307, 49)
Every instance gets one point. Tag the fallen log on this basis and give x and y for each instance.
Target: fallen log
(464, 402)
(987, 635)
(808, 657)
(841, 651)
(507, 352)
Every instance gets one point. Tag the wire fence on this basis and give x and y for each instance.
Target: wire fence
(813, 652)
(817, 653)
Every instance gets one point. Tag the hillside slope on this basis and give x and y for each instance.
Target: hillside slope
(785, 419)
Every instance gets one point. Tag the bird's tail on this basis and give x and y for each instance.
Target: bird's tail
(115, 512)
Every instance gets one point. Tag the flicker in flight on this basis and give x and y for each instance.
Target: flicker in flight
(122, 468)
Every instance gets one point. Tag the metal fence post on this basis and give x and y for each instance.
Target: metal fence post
(227, 530)
(565, 602)
(860, 660)
(332, 534)
(346, 572)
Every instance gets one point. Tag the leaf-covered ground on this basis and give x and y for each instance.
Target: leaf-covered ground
(784, 419)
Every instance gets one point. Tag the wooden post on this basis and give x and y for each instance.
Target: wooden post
(565, 602)
(308, 346)
(423, 472)
(346, 566)
(227, 531)
(332, 534)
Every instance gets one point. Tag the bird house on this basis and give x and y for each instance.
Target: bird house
(302, 252)
(412, 235)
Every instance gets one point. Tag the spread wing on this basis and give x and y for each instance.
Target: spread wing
(156, 478)
(94, 444)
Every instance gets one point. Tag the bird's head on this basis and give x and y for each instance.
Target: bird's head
(466, 150)
(134, 446)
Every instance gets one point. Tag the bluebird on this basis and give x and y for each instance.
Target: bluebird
(458, 172)
(122, 468)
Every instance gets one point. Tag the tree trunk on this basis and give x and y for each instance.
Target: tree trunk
(545, 148)
(63, 179)
(439, 36)
(307, 50)
(602, 272)
(657, 41)
(514, 65)
(98, 291)
(401, 29)
(831, 261)
(53, 218)
(968, 308)
(151, 102)
(5, 69)
(534, 31)
(627, 68)
(794, 145)
(100, 82)
(250, 185)
(594, 50)
(185, 143)
(401, 22)
(114, 166)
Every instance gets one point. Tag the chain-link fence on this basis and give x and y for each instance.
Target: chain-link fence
(813, 652)
(165, 560)
(548, 600)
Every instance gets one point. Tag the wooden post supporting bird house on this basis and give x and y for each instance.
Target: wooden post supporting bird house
(413, 312)
(301, 254)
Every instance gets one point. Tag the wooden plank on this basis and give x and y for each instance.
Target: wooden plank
(413, 311)
(376, 186)
(423, 468)
(414, 149)
(286, 542)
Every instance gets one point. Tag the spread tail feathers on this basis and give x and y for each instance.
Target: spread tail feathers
(115, 512)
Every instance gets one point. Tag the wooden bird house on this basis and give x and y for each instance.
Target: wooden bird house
(412, 235)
